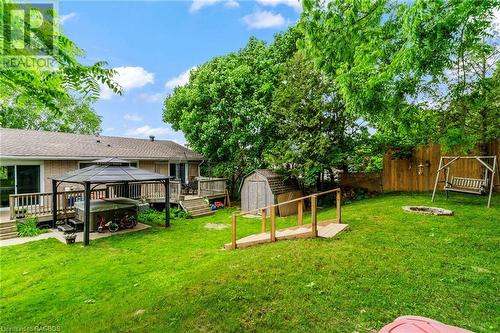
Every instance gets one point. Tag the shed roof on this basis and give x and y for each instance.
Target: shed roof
(109, 171)
(276, 182)
(57, 145)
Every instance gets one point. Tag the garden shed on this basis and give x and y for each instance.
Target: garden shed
(264, 187)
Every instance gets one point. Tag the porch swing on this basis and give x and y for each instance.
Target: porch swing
(478, 186)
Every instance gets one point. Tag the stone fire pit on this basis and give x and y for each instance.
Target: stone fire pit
(428, 210)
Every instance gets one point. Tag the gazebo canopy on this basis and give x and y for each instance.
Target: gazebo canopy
(109, 170)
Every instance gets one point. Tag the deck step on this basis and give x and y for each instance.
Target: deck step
(203, 214)
(8, 235)
(7, 229)
(197, 207)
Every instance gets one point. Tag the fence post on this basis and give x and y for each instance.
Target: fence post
(263, 228)
(300, 213)
(273, 224)
(339, 210)
(314, 215)
(233, 240)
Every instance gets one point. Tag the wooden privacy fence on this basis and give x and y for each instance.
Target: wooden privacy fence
(300, 215)
(418, 173)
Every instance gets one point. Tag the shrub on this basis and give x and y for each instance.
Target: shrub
(28, 228)
(177, 213)
(152, 216)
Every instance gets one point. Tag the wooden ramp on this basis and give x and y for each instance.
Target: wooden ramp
(327, 229)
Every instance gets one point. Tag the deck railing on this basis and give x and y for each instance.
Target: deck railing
(39, 204)
(300, 214)
(209, 187)
(146, 191)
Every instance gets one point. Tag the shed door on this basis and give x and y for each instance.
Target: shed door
(256, 194)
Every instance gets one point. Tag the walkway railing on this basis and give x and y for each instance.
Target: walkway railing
(300, 215)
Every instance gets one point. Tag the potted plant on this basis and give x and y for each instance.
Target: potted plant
(70, 238)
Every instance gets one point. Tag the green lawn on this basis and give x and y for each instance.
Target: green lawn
(390, 263)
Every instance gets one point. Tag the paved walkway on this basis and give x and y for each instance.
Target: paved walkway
(53, 233)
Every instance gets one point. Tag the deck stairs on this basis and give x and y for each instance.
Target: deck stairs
(196, 206)
(8, 230)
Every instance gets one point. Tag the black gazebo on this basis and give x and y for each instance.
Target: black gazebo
(107, 171)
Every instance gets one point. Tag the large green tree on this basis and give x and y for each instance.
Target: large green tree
(409, 67)
(50, 98)
(224, 110)
(313, 134)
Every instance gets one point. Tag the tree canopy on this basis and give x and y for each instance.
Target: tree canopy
(51, 98)
(225, 109)
(351, 79)
(411, 68)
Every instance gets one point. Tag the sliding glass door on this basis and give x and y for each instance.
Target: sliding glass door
(28, 178)
(7, 184)
(18, 179)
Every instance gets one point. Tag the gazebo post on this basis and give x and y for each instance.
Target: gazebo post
(54, 203)
(86, 215)
(167, 203)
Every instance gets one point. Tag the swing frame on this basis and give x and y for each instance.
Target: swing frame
(446, 161)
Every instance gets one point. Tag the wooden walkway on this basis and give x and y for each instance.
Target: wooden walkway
(326, 229)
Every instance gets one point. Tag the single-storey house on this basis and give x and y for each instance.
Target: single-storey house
(263, 187)
(29, 159)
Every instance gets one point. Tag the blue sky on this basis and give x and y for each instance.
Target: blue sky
(153, 44)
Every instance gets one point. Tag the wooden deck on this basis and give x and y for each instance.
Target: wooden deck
(40, 204)
(326, 229)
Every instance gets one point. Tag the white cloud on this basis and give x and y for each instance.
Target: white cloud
(132, 117)
(65, 18)
(146, 131)
(263, 19)
(128, 78)
(199, 4)
(295, 4)
(232, 4)
(179, 80)
(153, 98)
(196, 5)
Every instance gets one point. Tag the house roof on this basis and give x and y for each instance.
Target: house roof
(109, 171)
(276, 182)
(55, 145)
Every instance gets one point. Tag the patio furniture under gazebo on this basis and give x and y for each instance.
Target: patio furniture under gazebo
(107, 171)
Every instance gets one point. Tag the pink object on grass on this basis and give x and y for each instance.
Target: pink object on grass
(415, 324)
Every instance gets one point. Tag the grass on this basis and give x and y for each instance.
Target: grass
(391, 263)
